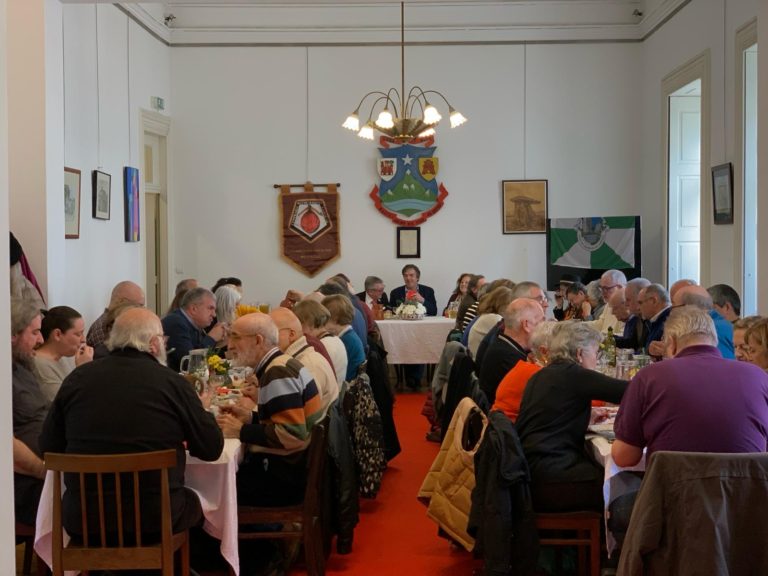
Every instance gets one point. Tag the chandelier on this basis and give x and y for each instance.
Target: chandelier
(401, 116)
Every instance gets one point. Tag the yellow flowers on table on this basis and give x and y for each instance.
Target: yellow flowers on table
(218, 365)
(243, 309)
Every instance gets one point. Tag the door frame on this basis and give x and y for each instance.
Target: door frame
(697, 68)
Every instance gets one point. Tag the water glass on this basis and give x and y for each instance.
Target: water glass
(642, 360)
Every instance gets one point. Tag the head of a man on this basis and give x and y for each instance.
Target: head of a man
(63, 330)
(618, 303)
(140, 329)
(740, 347)
(677, 286)
(610, 281)
(126, 292)
(521, 317)
(531, 291)
(476, 282)
(251, 338)
(374, 287)
(726, 301)
(25, 330)
(411, 275)
(757, 340)
(652, 300)
(541, 341)
(688, 326)
(576, 342)
(200, 305)
(312, 315)
(632, 294)
(576, 294)
(186, 285)
(288, 327)
(694, 295)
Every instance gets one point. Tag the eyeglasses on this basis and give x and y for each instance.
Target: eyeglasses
(608, 288)
(234, 336)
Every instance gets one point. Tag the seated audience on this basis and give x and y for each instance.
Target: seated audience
(359, 322)
(340, 324)
(131, 402)
(554, 415)
(595, 298)
(561, 302)
(314, 317)
(366, 311)
(757, 340)
(509, 394)
(273, 472)
(654, 309)
(579, 307)
(740, 346)
(185, 327)
(181, 288)
(492, 304)
(677, 286)
(695, 295)
(511, 345)
(468, 305)
(726, 301)
(635, 330)
(291, 341)
(227, 299)
(458, 292)
(101, 350)
(423, 294)
(125, 292)
(63, 349)
(619, 306)
(609, 283)
(374, 293)
(29, 406)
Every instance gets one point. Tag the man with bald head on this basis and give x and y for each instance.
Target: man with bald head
(511, 345)
(130, 401)
(694, 295)
(655, 307)
(292, 341)
(273, 472)
(125, 292)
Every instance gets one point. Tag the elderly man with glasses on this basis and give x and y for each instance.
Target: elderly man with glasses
(610, 282)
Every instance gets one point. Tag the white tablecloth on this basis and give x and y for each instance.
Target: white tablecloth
(215, 485)
(415, 341)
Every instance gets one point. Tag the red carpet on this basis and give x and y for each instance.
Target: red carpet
(394, 535)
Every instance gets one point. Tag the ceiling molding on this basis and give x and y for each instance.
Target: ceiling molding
(147, 21)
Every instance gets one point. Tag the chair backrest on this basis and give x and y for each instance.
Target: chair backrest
(318, 447)
(117, 481)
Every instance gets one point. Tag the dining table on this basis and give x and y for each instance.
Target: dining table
(415, 341)
(214, 483)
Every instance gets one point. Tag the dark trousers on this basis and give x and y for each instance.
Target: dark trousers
(270, 480)
(567, 496)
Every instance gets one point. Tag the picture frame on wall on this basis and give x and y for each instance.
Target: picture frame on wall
(722, 193)
(102, 194)
(408, 242)
(131, 203)
(524, 206)
(71, 203)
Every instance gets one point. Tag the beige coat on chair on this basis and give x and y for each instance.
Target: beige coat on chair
(447, 488)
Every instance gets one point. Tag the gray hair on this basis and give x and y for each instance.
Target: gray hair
(371, 281)
(659, 291)
(541, 337)
(195, 296)
(514, 314)
(703, 301)
(570, 338)
(615, 277)
(265, 326)
(594, 293)
(129, 333)
(636, 284)
(227, 299)
(23, 312)
(686, 322)
(523, 289)
(723, 294)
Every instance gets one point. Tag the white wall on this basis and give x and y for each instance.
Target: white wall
(701, 25)
(566, 113)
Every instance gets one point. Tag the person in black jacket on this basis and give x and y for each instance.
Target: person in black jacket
(554, 415)
(374, 292)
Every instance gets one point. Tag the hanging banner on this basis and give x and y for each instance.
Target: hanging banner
(310, 226)
(595, 243)
(408, 192)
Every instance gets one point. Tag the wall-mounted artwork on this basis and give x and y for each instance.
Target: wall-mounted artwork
(408, 242)
(102, 194)
(131, 194)
(71, 203)
(722, 193)
(524, 206)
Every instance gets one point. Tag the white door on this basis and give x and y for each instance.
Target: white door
(151, 228)
(156, 229)
(684, 186)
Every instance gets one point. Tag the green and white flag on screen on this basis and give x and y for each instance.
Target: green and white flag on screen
(594, 243)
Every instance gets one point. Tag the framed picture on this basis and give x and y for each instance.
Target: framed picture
(71, 203)
(102, 194)
(722, 193)
(408, 242)
(131, 196)
(524, 206)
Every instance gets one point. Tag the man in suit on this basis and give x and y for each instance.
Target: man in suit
(374, 292)
(654, 308)
(185, 327)
(424, 294)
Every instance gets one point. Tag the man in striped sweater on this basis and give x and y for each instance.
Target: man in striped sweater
(273, 472)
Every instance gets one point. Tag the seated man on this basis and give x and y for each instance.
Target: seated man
(185, 327)
(30, 407)
(609, 283)
(654, 309)
(374, 293)
(697, 296)
(131, 402)
(726, 301)
(273, 472)
(635, 331)
(125, 292)
(423, 294)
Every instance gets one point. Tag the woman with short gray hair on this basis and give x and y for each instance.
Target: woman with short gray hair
(554, 415)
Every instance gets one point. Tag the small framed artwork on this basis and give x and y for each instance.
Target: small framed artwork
(722, 193)
(524, 206)
(71, 203)
(131, 196)
(408, 242)
(102, 194)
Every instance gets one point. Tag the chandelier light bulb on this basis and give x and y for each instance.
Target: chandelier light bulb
(352, 122)
(385, 119)
(457, 118)
(366, 132)
(428, 132)
(431, 115)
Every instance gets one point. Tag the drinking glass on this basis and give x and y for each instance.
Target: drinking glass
(264, 307)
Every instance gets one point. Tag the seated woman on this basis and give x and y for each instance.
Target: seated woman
(63, 330)
(740, 346)
(757, 341)
(489, 312)
(314, 317)
(342, 312)
(554, 415)
(458, 292)
(579, 307)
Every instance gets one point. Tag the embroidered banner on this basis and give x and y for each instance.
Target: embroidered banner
(408, 192)
(310, 226)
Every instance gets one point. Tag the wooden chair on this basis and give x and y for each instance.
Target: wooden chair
(25, 534)
(586, 528)
(301, 521)
(110, 551)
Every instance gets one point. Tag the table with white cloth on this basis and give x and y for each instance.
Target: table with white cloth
(415, 341)
(213, 482)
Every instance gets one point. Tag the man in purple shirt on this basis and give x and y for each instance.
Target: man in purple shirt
(695, 401)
